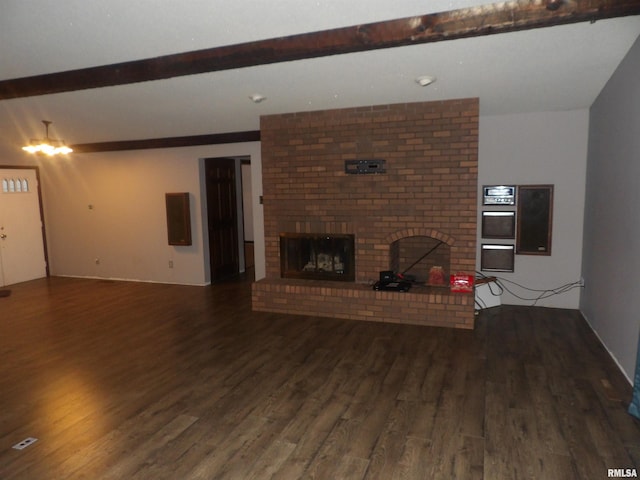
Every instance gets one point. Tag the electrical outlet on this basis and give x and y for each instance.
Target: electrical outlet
(170, 263)
(582, 282)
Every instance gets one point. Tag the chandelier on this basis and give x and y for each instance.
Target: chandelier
(46, 145)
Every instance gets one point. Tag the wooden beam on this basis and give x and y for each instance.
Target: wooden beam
(467, 22)
(168, 142)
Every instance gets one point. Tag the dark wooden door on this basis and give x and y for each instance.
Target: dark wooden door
(222, 217)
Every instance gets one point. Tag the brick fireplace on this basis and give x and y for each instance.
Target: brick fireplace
(425, 198)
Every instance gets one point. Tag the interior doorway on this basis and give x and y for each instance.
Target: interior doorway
(226, 194)
(22, 236)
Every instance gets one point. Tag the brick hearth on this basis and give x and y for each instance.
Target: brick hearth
(429, 190)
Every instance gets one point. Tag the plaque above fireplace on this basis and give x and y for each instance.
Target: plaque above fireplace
(317, 256)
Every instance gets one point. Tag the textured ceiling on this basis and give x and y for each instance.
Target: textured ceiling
(558, 68)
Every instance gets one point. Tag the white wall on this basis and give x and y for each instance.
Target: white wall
(126, 229)
(611, 299)
(540, 148)
(111, 207)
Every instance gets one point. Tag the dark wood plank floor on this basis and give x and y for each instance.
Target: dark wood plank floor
(145, 381)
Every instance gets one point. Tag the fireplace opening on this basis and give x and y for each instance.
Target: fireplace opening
(425, 259)
(317, 256)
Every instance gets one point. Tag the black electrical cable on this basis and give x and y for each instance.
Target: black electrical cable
(500, 289)
(560, 289)
(543, 293)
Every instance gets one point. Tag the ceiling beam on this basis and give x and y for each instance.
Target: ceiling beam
(168, 142)
(463, 23)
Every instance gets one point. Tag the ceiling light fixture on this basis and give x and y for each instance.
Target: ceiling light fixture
(425, 80)
(47, 146)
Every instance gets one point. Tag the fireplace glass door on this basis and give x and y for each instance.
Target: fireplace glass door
(317, 256)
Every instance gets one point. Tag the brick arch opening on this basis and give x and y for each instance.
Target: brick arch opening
(422, 254)
(423, 232)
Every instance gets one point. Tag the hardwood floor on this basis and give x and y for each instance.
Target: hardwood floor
(146, 381)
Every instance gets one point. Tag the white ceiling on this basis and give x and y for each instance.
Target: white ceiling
(558, 68)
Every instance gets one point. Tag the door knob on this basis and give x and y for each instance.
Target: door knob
(3, 236)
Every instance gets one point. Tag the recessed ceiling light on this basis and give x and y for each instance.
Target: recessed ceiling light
(425, 80)
(257, 98)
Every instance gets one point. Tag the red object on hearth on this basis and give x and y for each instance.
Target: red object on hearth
(461, 283)
(436, 276)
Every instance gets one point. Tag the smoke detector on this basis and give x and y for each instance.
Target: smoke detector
(257, 98)
(425, 80)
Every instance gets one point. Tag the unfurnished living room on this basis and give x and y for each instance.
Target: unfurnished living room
(319, 239)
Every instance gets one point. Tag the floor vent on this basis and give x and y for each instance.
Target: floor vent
(25, 443)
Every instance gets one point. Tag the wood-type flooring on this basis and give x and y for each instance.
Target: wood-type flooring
(121, 380)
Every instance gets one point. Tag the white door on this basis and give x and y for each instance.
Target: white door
(21, 235)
